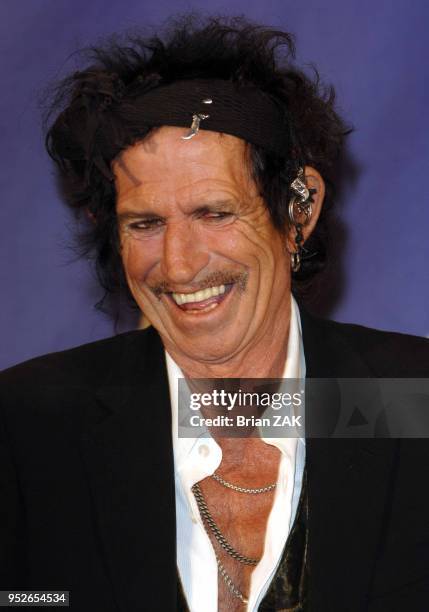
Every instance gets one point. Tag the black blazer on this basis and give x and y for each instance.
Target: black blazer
(87, 483)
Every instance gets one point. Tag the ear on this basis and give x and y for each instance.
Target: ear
(313, 180)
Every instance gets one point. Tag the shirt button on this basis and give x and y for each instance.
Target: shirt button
(204, 450)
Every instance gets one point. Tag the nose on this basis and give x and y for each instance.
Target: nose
(184, 253)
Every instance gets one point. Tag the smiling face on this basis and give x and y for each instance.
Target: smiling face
(201, 256)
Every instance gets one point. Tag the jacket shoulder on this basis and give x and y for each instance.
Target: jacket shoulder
(89, 362)
(387, 354)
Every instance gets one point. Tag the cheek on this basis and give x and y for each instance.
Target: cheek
(262, 249)
(241, 242)
(137, 259)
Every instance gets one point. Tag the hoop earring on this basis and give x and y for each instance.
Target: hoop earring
(295, 261)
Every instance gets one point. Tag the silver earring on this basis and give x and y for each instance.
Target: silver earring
(300, 205)
(295, 261)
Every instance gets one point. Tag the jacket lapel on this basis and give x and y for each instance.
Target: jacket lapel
(348, 482)
(128, 454)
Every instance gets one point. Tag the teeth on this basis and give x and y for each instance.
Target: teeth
(198, 296)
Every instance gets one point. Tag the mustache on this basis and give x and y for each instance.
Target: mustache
(211, 280)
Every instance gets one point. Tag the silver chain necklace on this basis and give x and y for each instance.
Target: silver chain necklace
(208, 519)
(234, 487)
(206, 515)
(229, 583)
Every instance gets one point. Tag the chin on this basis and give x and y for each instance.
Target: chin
(206, 352)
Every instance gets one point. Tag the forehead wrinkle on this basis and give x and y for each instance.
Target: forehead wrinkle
(196, 171)
(199, 192)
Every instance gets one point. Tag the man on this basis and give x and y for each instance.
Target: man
(203, 164)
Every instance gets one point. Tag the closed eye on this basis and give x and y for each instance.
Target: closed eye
(217, 217)
(145, 225)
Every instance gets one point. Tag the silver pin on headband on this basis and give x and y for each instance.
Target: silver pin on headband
(195, 125)
(196, 120)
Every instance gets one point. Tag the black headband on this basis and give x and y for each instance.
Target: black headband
(220, 106)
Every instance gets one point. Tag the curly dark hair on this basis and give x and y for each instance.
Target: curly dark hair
(99, 117)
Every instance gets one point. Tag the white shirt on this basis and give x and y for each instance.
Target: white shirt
(195, 459)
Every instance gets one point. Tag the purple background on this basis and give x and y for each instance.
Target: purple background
(375, 53)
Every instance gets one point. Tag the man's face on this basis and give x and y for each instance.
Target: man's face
(202, 258)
